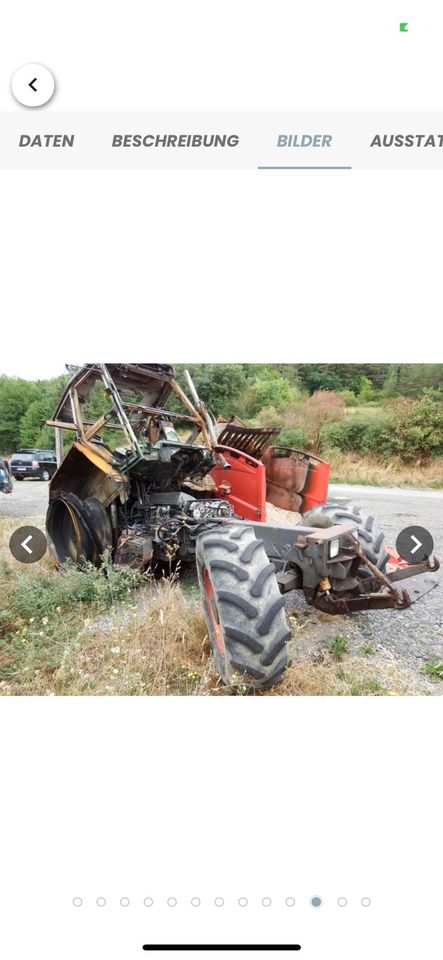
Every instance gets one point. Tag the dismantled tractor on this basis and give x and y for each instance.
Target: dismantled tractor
(153, 498)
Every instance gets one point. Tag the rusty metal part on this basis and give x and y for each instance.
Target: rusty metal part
(101, 480)
(133, 551)
(200, 413)
(331, 604)
(365, 597)
(431, 565)
(160, 412)
(246, 439)
(62, 425)
(375, 570)
(115, 377)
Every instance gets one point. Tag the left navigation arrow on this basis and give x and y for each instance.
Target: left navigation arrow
(31, 84)
(28, 544)
(24, 544)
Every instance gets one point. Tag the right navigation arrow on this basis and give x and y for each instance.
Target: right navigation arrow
(418, 544)
(414, 544)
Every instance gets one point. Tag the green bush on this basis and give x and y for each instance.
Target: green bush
(349, 397)
(416, 427)
(268, 417)
(272, 391)
(366, 392)
(409, 429)
(41, 594)
(357, 433)
(292, 437)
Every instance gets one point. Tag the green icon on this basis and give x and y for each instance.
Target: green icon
(403, 28)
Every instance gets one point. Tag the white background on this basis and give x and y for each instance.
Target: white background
(232, 797)
(248, 55)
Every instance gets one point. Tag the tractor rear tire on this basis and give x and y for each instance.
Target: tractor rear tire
(78, 530)
(243, 606)
(372, 541)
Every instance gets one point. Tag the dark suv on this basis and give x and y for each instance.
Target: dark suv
(29, 462)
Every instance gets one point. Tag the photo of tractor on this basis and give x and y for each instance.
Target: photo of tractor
(180, 488)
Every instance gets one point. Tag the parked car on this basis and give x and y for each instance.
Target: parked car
(30, 462)
(5, 477)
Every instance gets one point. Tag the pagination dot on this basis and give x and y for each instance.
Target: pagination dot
(266, 902)
(172, 902)
(219, 902)
(196, 901)
(243, 902)
(342, 901)
(124, 902)
(316, 901)
(290, 902)
(366, 902)
(148, 901)
(101, 902)
(77, 901)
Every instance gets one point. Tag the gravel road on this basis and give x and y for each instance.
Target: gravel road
(412, 636)
(28, 499)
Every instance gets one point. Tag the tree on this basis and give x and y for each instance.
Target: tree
(33, 431)
(219, 385)
(15, 397)
(323, 407)
(411, 379)
(366, 392)
(271, 391)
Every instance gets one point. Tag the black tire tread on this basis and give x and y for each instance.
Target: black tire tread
(259, 582)
(249, 551)
(275, 647)
(237, 600)
(250, 608)
(240, 636)
(233, 568)
(221, 544)
(372, 540)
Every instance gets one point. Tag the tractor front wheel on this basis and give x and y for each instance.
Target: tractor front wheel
(244, 608)
(372, 541)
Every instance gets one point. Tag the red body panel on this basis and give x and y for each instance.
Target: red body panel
(316, 490)
(394, 558)
(243, 485)
(296, 480)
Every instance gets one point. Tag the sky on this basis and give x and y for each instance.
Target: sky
(28, 368)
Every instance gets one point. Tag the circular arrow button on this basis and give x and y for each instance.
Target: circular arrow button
(33, 85)
(28, 544)
(414, 544)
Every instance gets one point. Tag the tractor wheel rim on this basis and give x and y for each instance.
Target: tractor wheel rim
(213, 612)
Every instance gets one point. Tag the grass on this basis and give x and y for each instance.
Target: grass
(338, 646)
(91, 633)
(87, 632)
(433, 669)
(368, 649)
(356, 468)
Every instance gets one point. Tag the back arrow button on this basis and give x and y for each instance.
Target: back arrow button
(33, 85)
